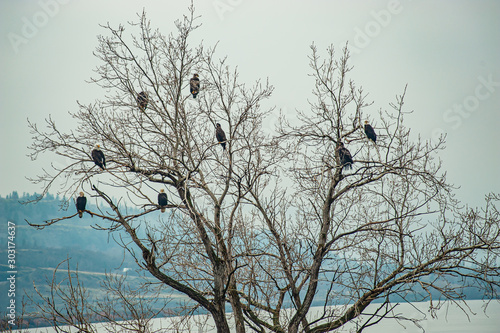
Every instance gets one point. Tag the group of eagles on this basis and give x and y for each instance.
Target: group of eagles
(194, 87)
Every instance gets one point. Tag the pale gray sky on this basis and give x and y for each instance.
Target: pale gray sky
(448, 52)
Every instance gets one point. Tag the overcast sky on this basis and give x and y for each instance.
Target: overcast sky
(448, 52)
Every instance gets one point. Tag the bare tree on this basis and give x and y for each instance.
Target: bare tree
(70, 305)
(269, 225)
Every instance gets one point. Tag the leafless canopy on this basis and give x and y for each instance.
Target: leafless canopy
(271, 226)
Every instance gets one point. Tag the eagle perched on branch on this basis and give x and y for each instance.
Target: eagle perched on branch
(344, 156)
(162, 200)
(142, 100)
(220, 135)
(81, 202)
(98, 157)
(370, 132)
(194, 85)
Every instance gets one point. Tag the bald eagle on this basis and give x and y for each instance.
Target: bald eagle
(220, 135)
(344, 156)
(370, 132)
(142, 100)
(162, 200)
(81, 202)
(98, 157)
(194, 85)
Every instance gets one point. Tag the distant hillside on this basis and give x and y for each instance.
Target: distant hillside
(68, 237)
(38, 252)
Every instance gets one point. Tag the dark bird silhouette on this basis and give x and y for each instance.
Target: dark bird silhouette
(142, 100)
(370, 132)
(344, 156)
(98, 157)
(220, 135)
(194, 85)
(162, 200)
(81, 202)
